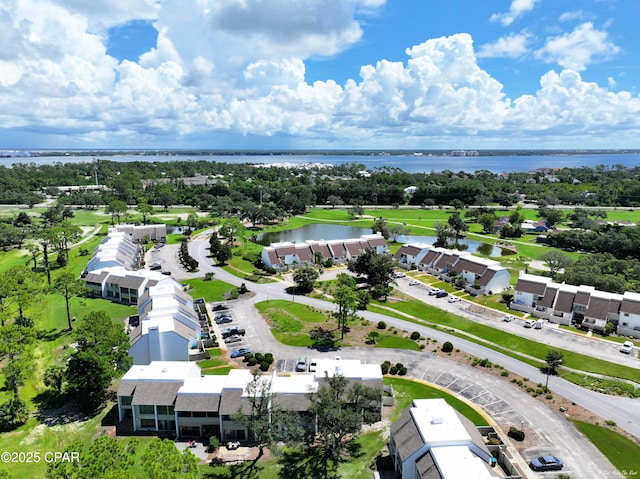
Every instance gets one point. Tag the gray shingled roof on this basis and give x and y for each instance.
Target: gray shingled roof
(532, 287)
(126, 388)
(159, 393)
(406, 435)
(549, 297)
(427, 468)
(198, 402)
(564, 303)
(598, 308)
(582, 297)
(466, 264)
(629, 306)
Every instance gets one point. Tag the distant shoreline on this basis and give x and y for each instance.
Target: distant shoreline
(35, 153)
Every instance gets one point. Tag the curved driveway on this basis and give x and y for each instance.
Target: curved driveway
(506, 404)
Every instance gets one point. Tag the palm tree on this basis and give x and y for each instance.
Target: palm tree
(553, 360)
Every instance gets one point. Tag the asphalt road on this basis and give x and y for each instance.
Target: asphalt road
(506, 404)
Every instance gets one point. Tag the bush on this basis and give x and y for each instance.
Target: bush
(516, 434)
(385, 367)
(402, 371)
(505, 373)
(382, 325)
(252, 362)
(393, 370)
(447, 347)
(268, 358)
(264, 366)
(214, 442)
(415, 335)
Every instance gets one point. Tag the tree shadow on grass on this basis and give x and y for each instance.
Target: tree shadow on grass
(244, 470)
(307, 463)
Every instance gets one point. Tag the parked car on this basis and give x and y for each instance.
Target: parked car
(400, 274)
(313, 365)
(508, 318)
(166, 273)
(301, 365)
(155, 266)
(233, 339)
(413, 282)
(240, 352)
(529, 323)
(454, 299)
(442, 294)
(433, 292)
(233, 330)
(226, 319)
(539, 324)
(220, 307)
(546, 463)
(626, 347)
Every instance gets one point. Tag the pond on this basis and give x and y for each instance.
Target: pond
(322, 231)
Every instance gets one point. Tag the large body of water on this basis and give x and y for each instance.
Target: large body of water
(409, 162)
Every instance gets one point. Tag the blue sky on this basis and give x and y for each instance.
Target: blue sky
(319, 74)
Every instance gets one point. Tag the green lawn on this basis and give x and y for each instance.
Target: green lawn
(622, 452)
(506, 343)
(397, 342)
(406, 390)
(213, 290)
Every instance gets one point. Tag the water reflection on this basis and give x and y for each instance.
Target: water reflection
(322, 231)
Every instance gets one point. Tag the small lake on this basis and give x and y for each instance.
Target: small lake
(334, 232)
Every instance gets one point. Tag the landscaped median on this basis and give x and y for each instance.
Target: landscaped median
(523, 349)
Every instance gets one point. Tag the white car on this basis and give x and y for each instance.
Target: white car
(529, 323)
(508, 318)
(626, 347)
(400, 274)
(454, 299)
(413, 282)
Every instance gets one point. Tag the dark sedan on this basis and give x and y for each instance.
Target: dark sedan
(546, 463)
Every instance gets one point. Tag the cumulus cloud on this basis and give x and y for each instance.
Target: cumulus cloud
(518, 9)
(514, 45)
(579, 48)
(293, 27)
(208, 74)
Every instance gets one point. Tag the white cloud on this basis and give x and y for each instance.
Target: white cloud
(514, 45)
(576, 50)
(572, 16)
(518, 9)
(208, 74)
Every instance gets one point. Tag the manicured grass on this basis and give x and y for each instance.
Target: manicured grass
(397, 342)
(213, 290)
(221, 371)
(290, 322)
(406, 390)
(507, 343)
(622, 452)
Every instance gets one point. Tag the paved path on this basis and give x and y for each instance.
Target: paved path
(505, 403)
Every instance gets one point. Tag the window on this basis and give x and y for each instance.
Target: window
(165, 410)
(146, 409)
(148, 423)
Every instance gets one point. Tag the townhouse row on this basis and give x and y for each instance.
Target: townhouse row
(167, 327)
(482, 275)
(583, 306)
(282, 256)
(173, 397)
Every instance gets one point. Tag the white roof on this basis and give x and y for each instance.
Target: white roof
(459, 461)
(162, 371)
(438, 423)
(209, 384)
(349, 368)
(296, 383)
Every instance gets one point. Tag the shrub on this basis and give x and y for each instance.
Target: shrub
(214, 442)
(415, 335)
(252, 362)
(259, 357)
(385, 367)
(447, 347)
(402, 371)
(382, 325)
(264, 366)
(247, 357)
(516, 434)
(505, 373)
(393, 370)
(268, 358)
